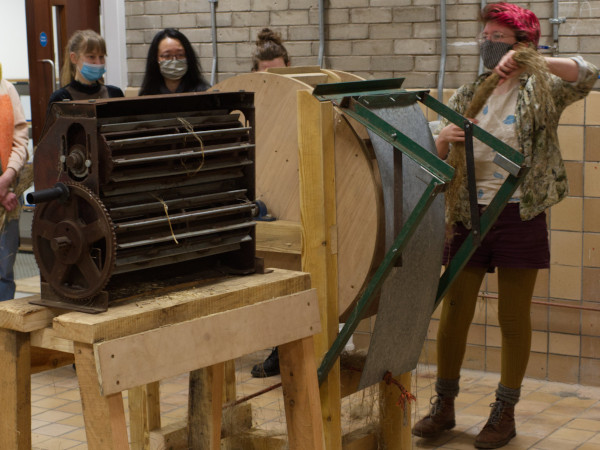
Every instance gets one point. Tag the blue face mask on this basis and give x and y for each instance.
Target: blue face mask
(92, 72)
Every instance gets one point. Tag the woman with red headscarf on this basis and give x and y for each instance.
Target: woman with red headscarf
(523, 110)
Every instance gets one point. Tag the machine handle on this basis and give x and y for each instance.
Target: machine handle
(60, 191)
(49, 61)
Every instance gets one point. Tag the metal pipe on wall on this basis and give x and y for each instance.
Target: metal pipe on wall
(481, 68)
(555, 21)
(213, 22)
(444, 53)
(321, 31)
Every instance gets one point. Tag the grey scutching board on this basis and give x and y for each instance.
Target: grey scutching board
(408, 293)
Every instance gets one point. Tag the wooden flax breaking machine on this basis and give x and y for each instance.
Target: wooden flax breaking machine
(142, 190)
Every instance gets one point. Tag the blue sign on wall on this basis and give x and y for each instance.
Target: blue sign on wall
(43, 39)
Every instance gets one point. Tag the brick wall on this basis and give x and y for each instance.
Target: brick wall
(371, 38)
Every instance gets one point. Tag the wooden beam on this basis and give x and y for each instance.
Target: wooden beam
(20, 315)
(131, 361)
(104, 416)
(394, 419)
(145, 313)
(301, 395)
(144, 414)
(15, 390)
(43, 359)
(47, 338)
(239, 417)
(319, 256)
(362, 439)
(279, 236)
(172, 436)
(205, 407)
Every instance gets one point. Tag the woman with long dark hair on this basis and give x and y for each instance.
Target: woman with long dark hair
(172, 65)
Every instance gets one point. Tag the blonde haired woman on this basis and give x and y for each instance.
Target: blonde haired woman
(83, 69)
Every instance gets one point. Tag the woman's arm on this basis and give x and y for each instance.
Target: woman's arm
(565, 68)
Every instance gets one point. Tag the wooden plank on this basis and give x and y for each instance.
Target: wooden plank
(131, 361)
(20, 315)
(43, 359)
(362, 439)
(394, 420)
(229, 392)
(312, 79)
(236, 420)
(15, 390)
(104, 416)
(145, 313)
(301, 395)
(294, 69)
(319, 258)
(280, 236)
(144, 414)
(257, 440)
(205, 407)
(171, 437)
(47, 338)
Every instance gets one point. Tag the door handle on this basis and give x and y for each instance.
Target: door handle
(49, 61)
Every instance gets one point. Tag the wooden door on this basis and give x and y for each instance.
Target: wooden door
(50, 23)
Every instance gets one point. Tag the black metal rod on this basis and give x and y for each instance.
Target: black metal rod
(59, 192)
(471, 183)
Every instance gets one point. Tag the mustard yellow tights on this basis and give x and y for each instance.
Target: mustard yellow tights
(515, 289)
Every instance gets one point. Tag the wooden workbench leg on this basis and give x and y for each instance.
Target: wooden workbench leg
(104, 416)
(144, 414)
(395, 419)
(316, 164)
(15, 390)
(301, 395)
(206, 407)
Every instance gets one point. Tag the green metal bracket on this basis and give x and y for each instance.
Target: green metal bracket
(355, 99)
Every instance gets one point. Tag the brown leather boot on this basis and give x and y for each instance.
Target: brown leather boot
(439, 419)
(500, 427)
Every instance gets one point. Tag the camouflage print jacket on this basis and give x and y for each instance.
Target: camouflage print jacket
(546, 182)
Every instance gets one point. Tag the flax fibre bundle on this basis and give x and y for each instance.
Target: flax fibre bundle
(25, 180)
(535, 65)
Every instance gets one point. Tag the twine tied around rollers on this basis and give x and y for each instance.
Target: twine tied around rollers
(189, 128)
(166, 208)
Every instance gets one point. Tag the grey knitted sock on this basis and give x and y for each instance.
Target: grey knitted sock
(508, 395)
(447, 388)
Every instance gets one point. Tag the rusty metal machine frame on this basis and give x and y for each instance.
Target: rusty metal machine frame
(151, 184)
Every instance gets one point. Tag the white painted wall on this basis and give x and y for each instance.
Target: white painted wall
(13, 40)
(112, 23)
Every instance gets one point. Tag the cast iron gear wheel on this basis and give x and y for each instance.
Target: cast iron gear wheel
(74, 243)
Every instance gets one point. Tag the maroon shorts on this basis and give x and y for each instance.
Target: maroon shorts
(511, 242)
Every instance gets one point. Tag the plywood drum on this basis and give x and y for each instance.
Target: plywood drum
(358, 196)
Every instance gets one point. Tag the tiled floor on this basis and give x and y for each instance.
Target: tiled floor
(552, 416)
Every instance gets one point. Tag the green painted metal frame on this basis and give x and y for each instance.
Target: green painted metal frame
(355, 99)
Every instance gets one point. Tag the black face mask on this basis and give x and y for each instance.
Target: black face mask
(492, 52)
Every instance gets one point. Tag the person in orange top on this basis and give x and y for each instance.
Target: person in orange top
(14, 137)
